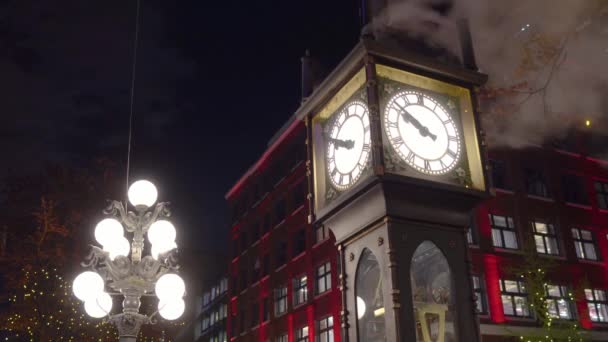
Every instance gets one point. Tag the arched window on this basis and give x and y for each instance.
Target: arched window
(432, 295)
(369, 299)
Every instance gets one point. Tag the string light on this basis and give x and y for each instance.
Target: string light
(64, 320)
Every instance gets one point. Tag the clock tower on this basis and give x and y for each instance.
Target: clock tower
(396, 167)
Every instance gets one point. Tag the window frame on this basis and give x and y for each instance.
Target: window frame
(533, 178)
(580, 242)
(505, 184)
(301, 334)
(513, 295)
(575, 195)
(601, 193)
(565, 295)
(480, 293)
(324, 277)
(546, 237)
(300, 290)
(280, 297)
(327, 334)
(324, 234)
(509, 221)
(597, 303)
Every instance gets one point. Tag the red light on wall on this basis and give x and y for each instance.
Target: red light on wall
(492, 276)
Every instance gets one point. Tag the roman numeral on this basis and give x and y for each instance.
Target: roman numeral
(419, 97)
(443, 166)
(366, 148)
(446, 122)
(330, 160)
(410, 157)
(397, 141)
(451, 153)
(333, 172)
(427, 165)
(341, 178)
(452, 138)
(392, 124)
(366, 129)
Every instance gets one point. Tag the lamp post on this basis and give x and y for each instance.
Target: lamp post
(120, 267)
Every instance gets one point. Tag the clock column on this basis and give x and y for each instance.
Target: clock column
(374, 114)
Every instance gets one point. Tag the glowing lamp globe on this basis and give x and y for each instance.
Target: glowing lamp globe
(120, 246)
(158, 249)
(87, 285)
(107, 230)
(142, 194)
(161, 231)
(171, 309)
(360, 308)
(100, 306)
(170, 287)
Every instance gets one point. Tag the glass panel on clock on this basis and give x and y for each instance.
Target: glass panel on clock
(433, 295)
(341, 142)
(428, 129)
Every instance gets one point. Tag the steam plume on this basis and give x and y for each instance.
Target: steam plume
(546, 59)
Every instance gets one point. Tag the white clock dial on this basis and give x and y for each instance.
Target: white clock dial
(348, 145)
(422, 132)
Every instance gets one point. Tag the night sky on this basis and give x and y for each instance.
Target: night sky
(215, 81)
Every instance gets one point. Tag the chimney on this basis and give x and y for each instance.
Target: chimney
(307, 76)
(466, 45)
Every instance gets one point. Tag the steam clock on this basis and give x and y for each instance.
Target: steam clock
(396, 170)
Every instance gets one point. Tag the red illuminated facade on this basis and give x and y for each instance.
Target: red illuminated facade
(557, 199)
(283, 279)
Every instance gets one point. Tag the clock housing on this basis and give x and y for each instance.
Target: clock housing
(428, 129)
(342, 141)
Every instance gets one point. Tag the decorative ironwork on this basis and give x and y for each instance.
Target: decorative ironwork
(134, 276)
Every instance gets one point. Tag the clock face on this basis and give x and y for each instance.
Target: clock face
(348, 145)
(422, 132)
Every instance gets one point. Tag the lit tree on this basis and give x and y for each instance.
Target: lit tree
(532, 271)
(41, 257)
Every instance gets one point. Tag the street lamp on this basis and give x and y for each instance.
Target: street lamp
(119, 265)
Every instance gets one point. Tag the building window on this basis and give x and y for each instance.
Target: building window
(302, 334)
(499, 174)
(559, 304)
(281, 250)
(300, 291)
(266, 223)
(597, 305)
(265, 265)
(584, 243)
(299, 194)
(601, 190)
(545, 238)
(299, 242)
(536, 184)
(243, 238)
(255, 314)
(574, 189)
(255, 231)
(281, 338)
(266, 308)
(280, 210)
(324, 278)
(325, 330)
(321, 233)
(224, 311)
(280, 300)
(503, 232)
(514, 298)
(480, 293)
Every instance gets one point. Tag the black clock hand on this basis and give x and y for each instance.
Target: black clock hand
(347, 144)
(423, 130)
